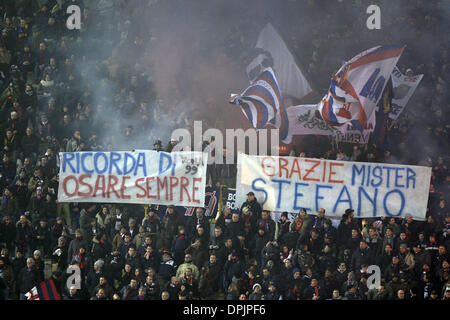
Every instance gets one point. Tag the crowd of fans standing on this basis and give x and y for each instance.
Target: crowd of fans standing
(48, 105)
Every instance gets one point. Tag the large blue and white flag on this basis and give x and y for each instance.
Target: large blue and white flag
(356, 88)
(262, 105)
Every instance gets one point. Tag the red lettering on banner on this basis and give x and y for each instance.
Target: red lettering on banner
(162, 185)
(136, 183)
(282, 166)
(100, 185)
(332, 164)
(324, 171)
(66, 179)
(111, 186)
(81, 179)
(194, 188)
(147, 182)
(173, 184)
(183, 188)
(123, 187)
(295, 168)
(270, 166)
(311, 170)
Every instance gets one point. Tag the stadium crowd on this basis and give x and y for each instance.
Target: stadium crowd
(48, 105)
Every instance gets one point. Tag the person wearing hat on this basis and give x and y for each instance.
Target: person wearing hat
(59, 256)
(57, 229)
(283, 226)
(152, 226)
(172, 143)
(167, 267)
(157, 146)
(256, 293)
(94, 275)
(252, 204)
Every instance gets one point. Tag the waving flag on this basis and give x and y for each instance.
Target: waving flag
(356, 88)
(403, 88)
(272, 51)
(262, 105)
(46, 290)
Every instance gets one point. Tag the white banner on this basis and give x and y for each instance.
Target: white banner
(403, 87)
(274, 53)
(371, 189)
(140, 176)
(302, 121)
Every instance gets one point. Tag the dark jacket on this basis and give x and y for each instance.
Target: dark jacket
(170, 224)
(361, 257)
(254, 206)
(129, 293)
(74, 248)
(28, 278)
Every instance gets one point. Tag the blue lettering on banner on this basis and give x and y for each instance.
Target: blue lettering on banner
(398, 176)
(298, 194)
(410, 175)
(372, 201)
(377, 172)
(388, 175)
(170, 165)
(83, 166)
(348, 200)
(402, 197)
(260, 190)
(115, 157)
(127, 157)
(114, 163)
(96, 156)
(141, 163)
(368, 175)
(318, 187)
(280, 189)
(77, 155)
(67, 160)
(362, 171)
